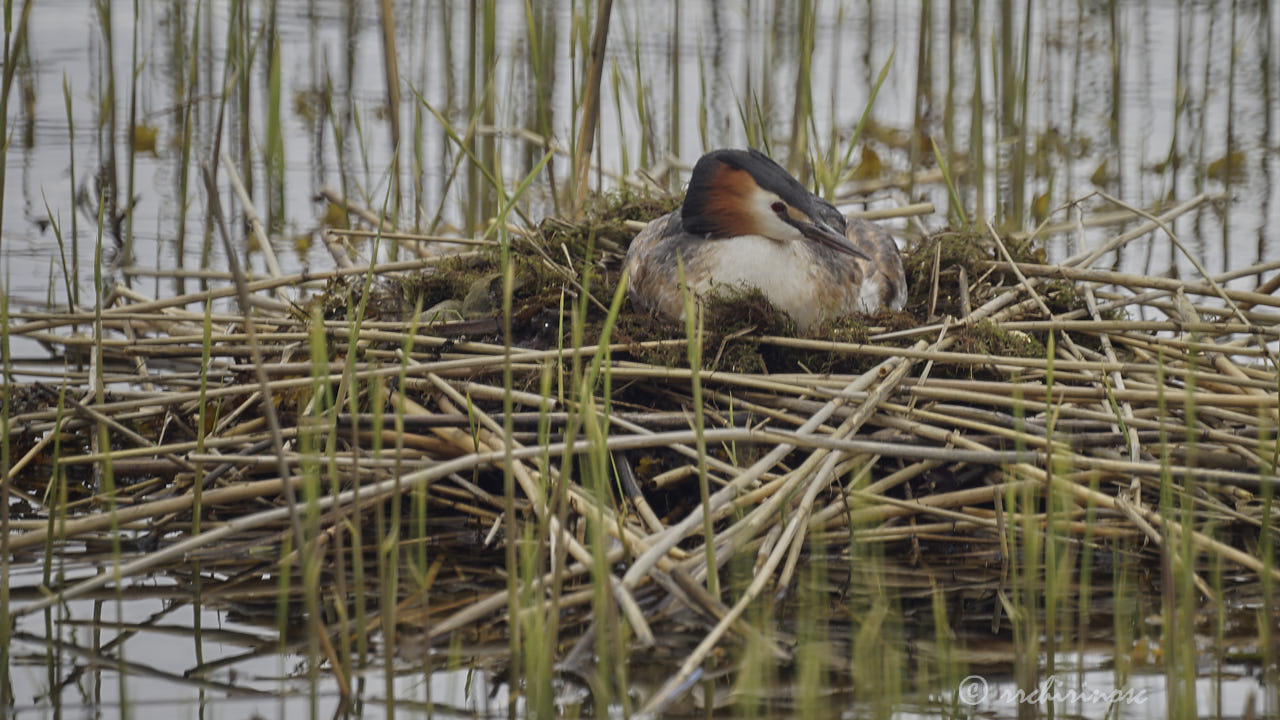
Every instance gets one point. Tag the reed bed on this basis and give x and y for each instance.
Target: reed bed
(482, 446)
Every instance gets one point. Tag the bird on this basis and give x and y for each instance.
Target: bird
(747, 223)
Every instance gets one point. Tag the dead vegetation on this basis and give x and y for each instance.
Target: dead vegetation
(1051, 384)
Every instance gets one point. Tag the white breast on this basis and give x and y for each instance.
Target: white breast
(784, 272)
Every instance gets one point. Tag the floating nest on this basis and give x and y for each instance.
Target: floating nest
(1126, 418)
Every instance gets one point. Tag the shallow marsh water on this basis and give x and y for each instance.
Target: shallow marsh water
(1150, 103)
(1143, 101)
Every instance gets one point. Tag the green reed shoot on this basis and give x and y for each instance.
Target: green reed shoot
(1269, 450)
(693, 333)
(6, 685)
(274, 156)
(812, 637)
(73, 297)
(203, 422)
(15, 38)
(67, 278)
(802, 108)
(957, 207)
(56, 499)
(830, 174)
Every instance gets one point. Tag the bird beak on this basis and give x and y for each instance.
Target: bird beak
(825, 235)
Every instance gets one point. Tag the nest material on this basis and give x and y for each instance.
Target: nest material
(1110, 393)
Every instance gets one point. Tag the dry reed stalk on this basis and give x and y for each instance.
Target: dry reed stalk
(255, 225)
(1011, 394)
(384, 488)
(364, 213)
(414, 237)
(176, 273)
(391, 74)
(1130, 280)
(661, 545)
(590, 107)
(635, 370)
(303, 382)
(764, 575)
(682, 448)
(179, 301)
(887, 429)
(491, 437)
(1087, 258)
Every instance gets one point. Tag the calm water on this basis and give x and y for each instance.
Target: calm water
(1150, 103)
(1143, 102)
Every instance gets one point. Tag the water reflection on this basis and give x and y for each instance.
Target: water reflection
(1147, 103)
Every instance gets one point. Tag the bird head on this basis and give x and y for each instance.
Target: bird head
(743, 192)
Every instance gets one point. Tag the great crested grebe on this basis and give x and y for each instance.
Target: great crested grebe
(746, 222)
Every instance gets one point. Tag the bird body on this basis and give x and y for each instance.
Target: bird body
(746, 223)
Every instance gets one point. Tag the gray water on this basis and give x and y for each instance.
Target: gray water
(1125, 90)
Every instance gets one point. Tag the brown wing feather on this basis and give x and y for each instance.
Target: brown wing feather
(884, 273)
(648, 284)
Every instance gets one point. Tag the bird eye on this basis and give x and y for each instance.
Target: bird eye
(779, 208)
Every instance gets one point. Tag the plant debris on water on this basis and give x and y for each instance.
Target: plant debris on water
(1011, 421)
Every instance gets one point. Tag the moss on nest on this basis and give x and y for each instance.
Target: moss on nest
(604, 223)
(855, 329)
(986, 338)
(544, 266)
(950, 251)
(552, 267)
